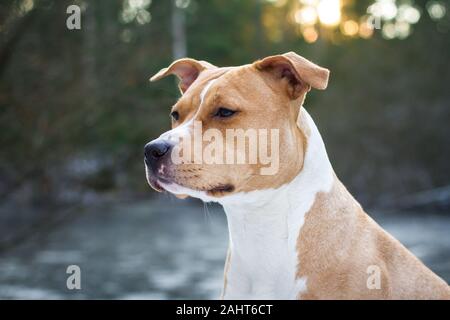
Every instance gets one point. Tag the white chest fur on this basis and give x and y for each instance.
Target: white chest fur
(264, 227)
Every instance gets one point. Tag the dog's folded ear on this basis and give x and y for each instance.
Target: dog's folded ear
(300, 72)
(186, 69)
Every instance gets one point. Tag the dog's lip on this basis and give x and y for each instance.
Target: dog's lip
(217, 191)
(153, 182)
(163, 180)
(159, 182)
(221, 189)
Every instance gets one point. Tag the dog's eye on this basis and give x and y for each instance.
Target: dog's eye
(224, 113)
(175, 115)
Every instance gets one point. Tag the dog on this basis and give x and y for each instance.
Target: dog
(296, 234)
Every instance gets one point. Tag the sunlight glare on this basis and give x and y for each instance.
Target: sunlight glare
(385, 9)
(365, 30)
(350, 28)
(306, 15)
(436, 10)
(402, 29)
(329, 12)
(388, 31)
(309, 2)
(310, 34)
(409, 14)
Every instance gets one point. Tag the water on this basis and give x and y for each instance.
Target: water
(164, 249)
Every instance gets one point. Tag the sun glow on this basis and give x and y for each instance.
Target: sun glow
(334, 19)
(306, 15)
(310, 34)
(329, 12)
(350, 28)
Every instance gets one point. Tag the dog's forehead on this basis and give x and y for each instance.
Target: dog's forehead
(192, 97)
(203, 80)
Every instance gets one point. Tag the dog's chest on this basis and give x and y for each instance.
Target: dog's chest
(271, 274)
(263, 260)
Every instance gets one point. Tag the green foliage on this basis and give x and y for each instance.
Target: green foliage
(66, 93)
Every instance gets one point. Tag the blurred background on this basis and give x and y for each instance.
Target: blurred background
(76, 109)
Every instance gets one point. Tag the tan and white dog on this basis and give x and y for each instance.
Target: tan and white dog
(297, 234)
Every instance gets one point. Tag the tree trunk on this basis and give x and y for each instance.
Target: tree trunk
(178, 32)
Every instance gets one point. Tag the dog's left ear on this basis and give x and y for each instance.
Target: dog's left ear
(186, 69)
(301, 73)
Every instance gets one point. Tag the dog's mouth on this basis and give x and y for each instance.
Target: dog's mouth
(220, 190)
(175, 187)
(162, 184)
(160, 181)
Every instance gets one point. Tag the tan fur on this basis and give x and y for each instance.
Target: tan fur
(305, 70)
(339, 241)
(186, 69)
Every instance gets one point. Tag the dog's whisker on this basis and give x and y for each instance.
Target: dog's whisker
(206, 213)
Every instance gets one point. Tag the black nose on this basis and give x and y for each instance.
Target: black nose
(154, 151)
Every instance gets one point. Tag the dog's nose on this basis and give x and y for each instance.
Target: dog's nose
(154, 151)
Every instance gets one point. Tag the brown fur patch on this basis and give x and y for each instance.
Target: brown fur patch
(339, 241)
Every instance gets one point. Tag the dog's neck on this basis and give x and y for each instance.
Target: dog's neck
(264, 225)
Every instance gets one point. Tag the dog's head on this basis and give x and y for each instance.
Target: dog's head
(234, 129)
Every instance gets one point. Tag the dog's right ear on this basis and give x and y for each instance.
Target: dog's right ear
(300, 73)
(186, 69)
